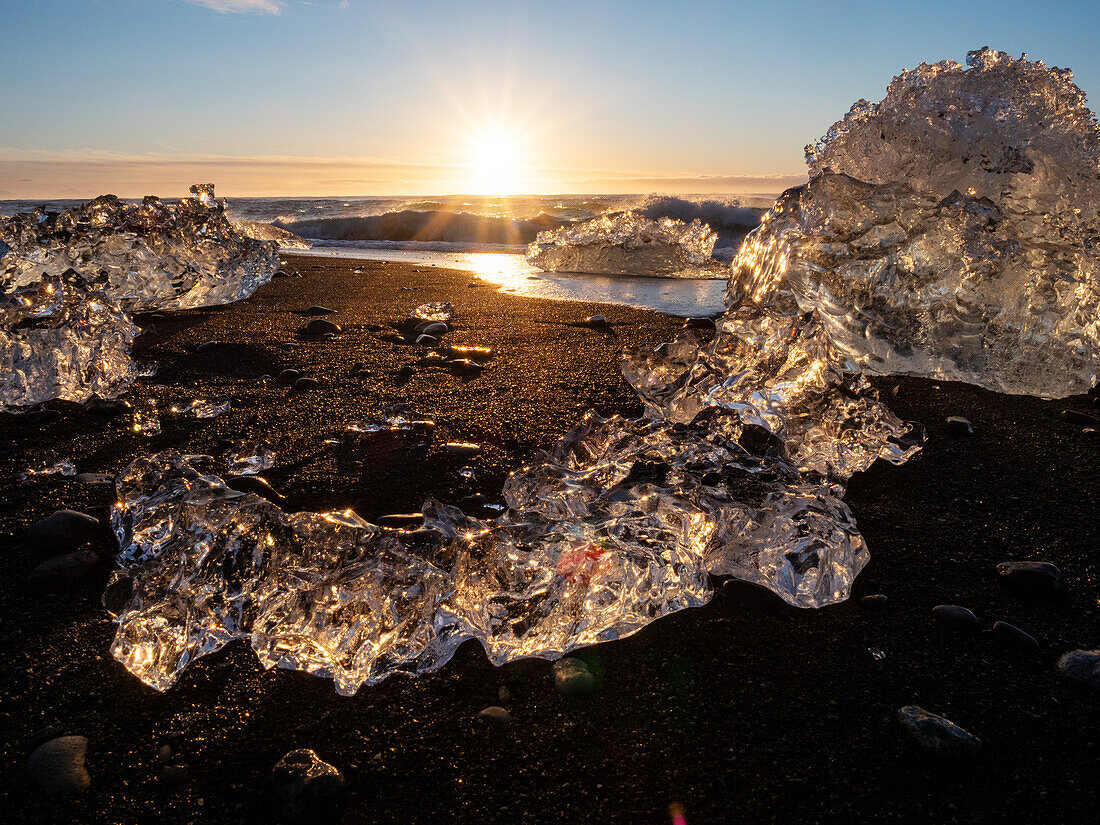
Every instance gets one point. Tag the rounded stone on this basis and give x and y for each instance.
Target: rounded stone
(435, 328)
(1013, 637)
(597, 321)
(301, 778)
(305, 384)
(58, 766)
(504, 695)
(1030, 576)
(319, 326)
(1082, 666)
(61, 573)
(959, 425)
(288, 377)
(462, 449)
(107, 407)
(427, 341)
(317, 309)
(938, 735)
(1082, 418)
(874, 601)
(953, 615)
(495, 715)
(572, 677)
(64, 530)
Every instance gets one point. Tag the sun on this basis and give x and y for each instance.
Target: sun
(496, 165)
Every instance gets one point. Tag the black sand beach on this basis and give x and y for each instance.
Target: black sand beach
(746, 710)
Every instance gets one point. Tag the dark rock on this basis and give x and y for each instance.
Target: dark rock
(1013, 637)
(504, 696)
(464, 366)
(305, 384)
(64, 530)
(427, 341)
(938, 735)
(174, 774)
(255, 485)
(1030, 576)
(1082, 418)
(1082, 666)
(46, 416)
(301, 779)
(61, 573)
(874, 601)
(206, 346)
(93, 478)
(317, 309)
(699, 323)
(288, 377)
(959, 618)
(959, 425)
(463, 449)
(406, 371)
(572, 677)
(107, 407)
(495, 716)
(596, 321)
(58, 766)
(319, 326)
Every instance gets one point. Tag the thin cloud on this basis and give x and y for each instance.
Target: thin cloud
(240, 6)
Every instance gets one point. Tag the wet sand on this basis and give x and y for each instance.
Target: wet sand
(745, 710)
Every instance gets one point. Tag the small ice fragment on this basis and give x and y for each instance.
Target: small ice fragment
(434, 311)
(203, 408)
(146, 369)
(876, 654)
(248, 458)
(147, 419)
(63, 467)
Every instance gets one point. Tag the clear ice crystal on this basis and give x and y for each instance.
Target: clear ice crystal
(434, 311)
(249, 458)
(68, 280)
(628, 244)
(266, 232)
(201, 408)
(949, 231)
(148, 256)
(62, 467)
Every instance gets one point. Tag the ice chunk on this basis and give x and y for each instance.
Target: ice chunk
(63, 467)
(629, 244)
(949, 230)
(267, 232)
(249, 458)
(147, 256)
(60, 336)
(434, 311)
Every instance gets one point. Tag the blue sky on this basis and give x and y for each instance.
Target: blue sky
(359, 97)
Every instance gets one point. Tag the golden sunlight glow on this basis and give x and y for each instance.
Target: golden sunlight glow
(496, 164)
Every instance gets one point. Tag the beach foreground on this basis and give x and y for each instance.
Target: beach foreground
(744, 710)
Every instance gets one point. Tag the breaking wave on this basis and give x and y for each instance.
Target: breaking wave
(409, 225)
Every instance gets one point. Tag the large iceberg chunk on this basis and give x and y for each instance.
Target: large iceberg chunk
(949, 230)
(628, 244)
(148, 256)
(68, 280)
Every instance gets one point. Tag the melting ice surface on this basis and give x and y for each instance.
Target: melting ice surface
(740, 463)
(628, 244)
(68, 280)
(950, 230)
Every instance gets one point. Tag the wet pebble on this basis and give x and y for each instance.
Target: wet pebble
(58, 766)
(462, 448)
(107, 407)
(61, 573)
(93, 479)
(572, 677)
(206, 346)
(427, 341)
(597, 321)
(39, 417)
(938, 735)
(1082, 666)
(288, 377)
(406, 371)
(495, 715)
(319, 326)
(305, 384)
(434, 328)
(64, 530)
(955, 616)
(301, 779)
(464, 366)
(317, 309)
(1014, 638)
(1035, 577)
(873, 601)
(959, 425)
(1082, 418)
